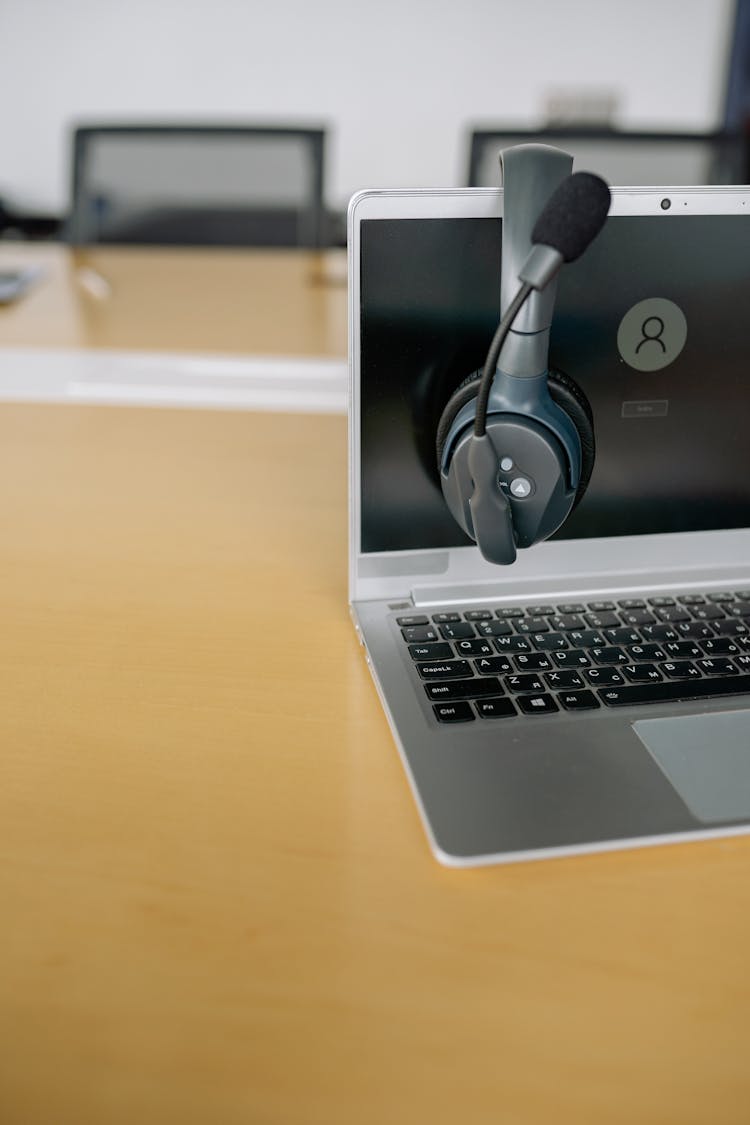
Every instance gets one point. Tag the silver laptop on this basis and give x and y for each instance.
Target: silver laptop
(595, 694)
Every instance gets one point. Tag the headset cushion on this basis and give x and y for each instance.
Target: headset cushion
(563, 390)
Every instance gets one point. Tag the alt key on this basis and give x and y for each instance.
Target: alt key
(578, 700)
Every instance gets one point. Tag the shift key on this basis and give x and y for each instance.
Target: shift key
(463, 689)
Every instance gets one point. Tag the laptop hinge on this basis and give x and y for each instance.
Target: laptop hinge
(585, 587)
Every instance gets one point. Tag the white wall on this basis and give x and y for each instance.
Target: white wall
(395, 80)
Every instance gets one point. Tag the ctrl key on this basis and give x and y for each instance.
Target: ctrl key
(459, 712)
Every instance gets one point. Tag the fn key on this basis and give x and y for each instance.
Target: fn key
(459, 712)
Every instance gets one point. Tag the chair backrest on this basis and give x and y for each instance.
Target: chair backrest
(192, 185)
(622, 158)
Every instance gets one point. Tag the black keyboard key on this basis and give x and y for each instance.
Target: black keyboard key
(601, 676)
(719, 646)
(641, 673)
(672, 613)
(478, 615)
(473, 648)
(600, 607)
(571, 607)
(659, 633)
(622, 635)
(709, 612)
(578, 700)
(675, 691)
(691, 599)
(512, 644)
(587, 638)
(571, 658)
(437, 650)
(606, 619)
(549, 642)
(444, 670)
(731, 627)
(540, 610)
(510, 611)
(662, 599)
(532, 662)
(720, 667)
(445, 618)
(608, 655)
(413, 634)
(493, 666)
(565, 621)
(462, 689)
(537, 704)
(524, 682)
(693, 630)
(682, 650)
(646, 652)
(453, 712)
(638, 617)
(721, 596)
(413, 619)
(680, 670)
(494, 628)
(527, 625)
(459, 631)
(562, 681)
(495, 708)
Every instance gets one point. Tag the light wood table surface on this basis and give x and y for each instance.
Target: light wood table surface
(218, 905)
(264, 302)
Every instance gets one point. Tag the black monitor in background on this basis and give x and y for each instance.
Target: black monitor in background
(622, 158)
(197, 185)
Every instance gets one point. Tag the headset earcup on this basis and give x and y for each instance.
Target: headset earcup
(569, 397)
(464, 392)
(563, 390)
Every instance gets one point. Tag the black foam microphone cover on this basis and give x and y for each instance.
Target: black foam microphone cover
(573, 215)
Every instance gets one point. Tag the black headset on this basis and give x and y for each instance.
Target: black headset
(515, 442)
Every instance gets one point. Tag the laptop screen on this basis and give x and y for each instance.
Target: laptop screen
(653, 323)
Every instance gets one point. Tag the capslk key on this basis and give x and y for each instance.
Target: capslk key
(444, 670)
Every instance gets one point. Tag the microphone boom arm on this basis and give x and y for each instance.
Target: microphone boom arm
(530, 174)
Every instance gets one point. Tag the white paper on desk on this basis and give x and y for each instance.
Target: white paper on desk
(274, 383)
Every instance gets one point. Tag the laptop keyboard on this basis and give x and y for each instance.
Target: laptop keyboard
(491, 663)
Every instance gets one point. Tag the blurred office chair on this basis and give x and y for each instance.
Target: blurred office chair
(737, 94)
(17, 223)
(622, 158)
(197, 185)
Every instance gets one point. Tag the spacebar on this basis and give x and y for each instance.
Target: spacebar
(674, 691)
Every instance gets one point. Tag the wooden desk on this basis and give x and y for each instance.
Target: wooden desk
(264, 302)
(218, 904)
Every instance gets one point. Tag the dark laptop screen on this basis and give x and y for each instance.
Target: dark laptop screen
(653, 323)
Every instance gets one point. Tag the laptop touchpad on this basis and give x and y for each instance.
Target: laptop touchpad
(707, 760)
